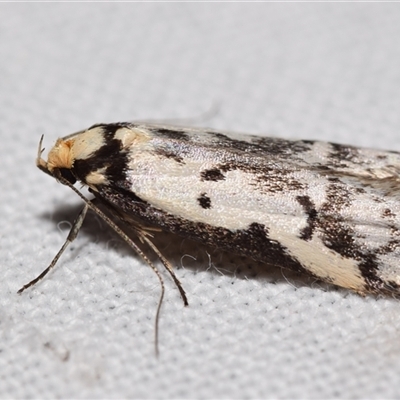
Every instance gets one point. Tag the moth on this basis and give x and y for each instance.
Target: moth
(326, 209)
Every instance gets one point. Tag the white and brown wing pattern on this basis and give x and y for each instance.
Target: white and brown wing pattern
(330, 210)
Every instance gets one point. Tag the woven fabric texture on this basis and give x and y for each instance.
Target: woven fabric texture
(296, 70)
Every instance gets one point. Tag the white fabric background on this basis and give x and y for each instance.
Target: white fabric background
(316, 71)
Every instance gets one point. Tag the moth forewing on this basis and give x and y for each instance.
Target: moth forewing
(325, 209)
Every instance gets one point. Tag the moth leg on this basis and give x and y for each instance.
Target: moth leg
(142, 233)
(73, 233)
(143, 237)
(92, 204)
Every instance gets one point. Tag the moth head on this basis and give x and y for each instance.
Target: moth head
(64, 157)
(59, 162)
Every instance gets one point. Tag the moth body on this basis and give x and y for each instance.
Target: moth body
(329, 210)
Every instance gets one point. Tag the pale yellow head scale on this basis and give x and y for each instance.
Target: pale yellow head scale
(61, 155)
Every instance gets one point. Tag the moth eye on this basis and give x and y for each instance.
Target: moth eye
(68, 175)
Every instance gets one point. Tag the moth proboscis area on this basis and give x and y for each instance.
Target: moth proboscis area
(326, 209)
